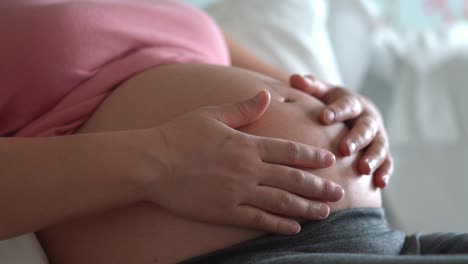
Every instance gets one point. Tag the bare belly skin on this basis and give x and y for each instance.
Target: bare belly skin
(146, 233)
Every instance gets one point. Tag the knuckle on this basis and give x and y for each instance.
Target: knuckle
(368, 123)
(356, 107)
(368, 135)
(378, 149)
(340, 90)
(315, 156)
(278, 226)
(348, 101)
(226, 145)
(298, 178)
(294, 152)
(304, 208)
(327, 188)
(382, 140)
(241, 165)
(337, 110)
(259, 219)
(367, 130)
(321, 188)
(390, 166)
(360, 139)
(247, 142)
(286, 201)
(381, 153)
(233, 192)
(243, 112)
(316, 183)
(313, 209)
(309, 209)
(242, 145)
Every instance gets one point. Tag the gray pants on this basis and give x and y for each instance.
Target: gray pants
(359, 235)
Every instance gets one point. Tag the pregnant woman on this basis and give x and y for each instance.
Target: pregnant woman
(154, 173)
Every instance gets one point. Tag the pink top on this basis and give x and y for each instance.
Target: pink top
(61, 58)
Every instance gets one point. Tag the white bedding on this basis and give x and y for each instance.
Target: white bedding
(427, 122)
(22, 250)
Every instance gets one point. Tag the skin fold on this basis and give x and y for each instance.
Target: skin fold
(146, 233)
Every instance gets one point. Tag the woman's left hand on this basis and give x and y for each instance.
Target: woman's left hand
(364, 119)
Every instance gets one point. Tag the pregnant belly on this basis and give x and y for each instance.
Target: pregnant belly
(145, 233)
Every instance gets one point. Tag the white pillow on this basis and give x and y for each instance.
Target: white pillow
(351, 26)
(22, 250)
(290, 34)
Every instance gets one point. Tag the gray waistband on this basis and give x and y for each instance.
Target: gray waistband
(357, 230)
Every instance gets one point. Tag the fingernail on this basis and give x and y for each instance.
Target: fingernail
(352, 147)
(338, 192)
(329, 159)
(329, 115)
(258, 97)
(294, 228)
(324, 210)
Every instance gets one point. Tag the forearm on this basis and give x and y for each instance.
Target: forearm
(243, 58)
(47, 180)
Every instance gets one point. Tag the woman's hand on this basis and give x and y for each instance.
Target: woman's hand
(214, 173)
(365, 121)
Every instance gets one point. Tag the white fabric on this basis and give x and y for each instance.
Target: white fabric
(22, 250)
(351, 24)
(291, 35)
(428, 127)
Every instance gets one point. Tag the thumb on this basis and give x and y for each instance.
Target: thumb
(242, 113)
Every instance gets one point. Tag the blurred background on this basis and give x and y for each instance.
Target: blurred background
(417, 15)
(409, 56)
(407, 15)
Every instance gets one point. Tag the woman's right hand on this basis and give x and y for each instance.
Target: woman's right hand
(214, 173)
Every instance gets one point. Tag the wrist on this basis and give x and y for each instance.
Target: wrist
(146, 162)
